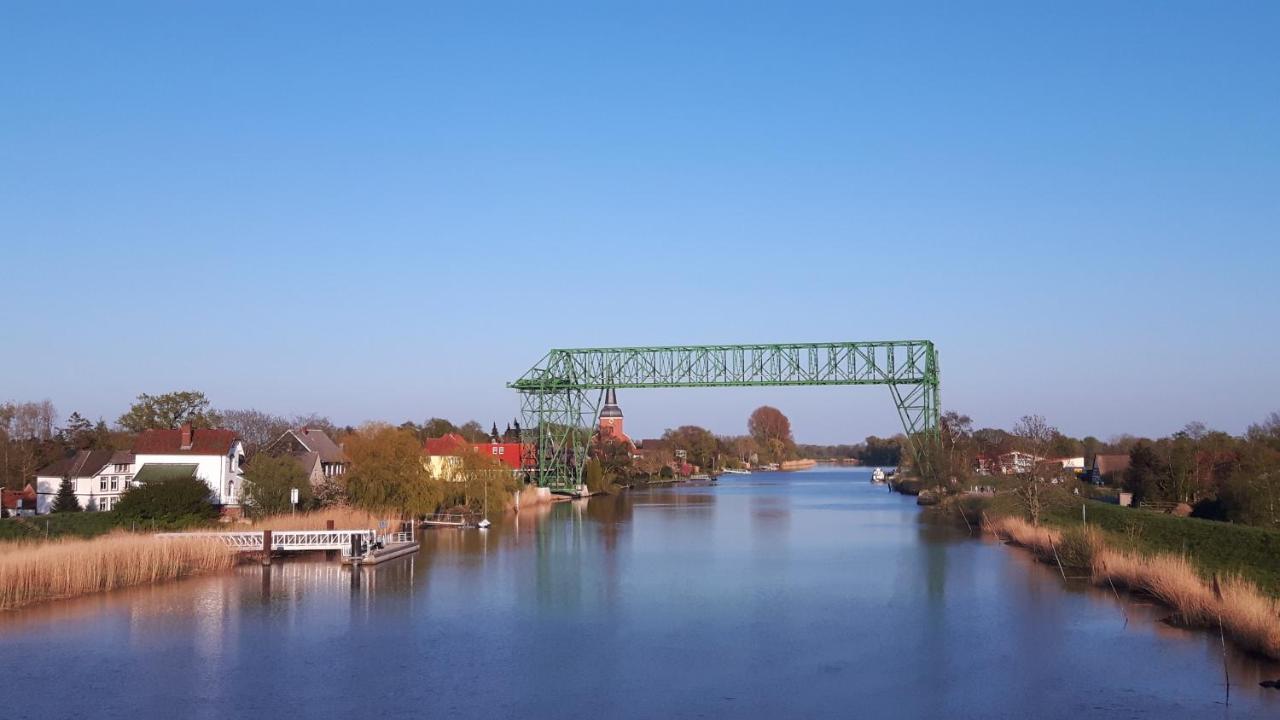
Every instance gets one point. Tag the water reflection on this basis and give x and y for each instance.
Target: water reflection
(808, 595)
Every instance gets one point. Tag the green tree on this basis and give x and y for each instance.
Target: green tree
(438, 427)
(594, 478)
(66, 501)
(169, 410)
(1142, 477)
(78, 432)
(698, 443)
(171, 503)
(387, 472)
(268, 484)
(1252, 491)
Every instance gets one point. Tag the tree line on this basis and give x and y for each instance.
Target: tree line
(1217, 475)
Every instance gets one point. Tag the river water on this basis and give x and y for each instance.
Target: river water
(812, 594)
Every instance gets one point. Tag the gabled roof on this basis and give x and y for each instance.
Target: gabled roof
(451, 444)
(85, 463)
(307, 460)
(160, 472)
(204, 441)
(320, 443)
(1111, 463)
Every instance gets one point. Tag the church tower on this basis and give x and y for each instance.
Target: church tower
(611, 417)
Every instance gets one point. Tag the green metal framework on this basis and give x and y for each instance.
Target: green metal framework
(561, 395)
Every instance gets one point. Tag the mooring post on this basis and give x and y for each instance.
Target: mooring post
(266, 547)
(329, 554)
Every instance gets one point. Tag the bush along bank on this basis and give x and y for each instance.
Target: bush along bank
(1229, 603)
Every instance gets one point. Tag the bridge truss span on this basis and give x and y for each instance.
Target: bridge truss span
(560, 396)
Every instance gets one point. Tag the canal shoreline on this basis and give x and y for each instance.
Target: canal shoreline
(1230, 605)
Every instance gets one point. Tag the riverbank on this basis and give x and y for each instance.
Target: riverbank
(35, 569)
(58, 569)
(1229, 603)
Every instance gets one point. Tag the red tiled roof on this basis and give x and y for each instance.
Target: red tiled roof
(205, 441)
(451, 444)
(13, 499)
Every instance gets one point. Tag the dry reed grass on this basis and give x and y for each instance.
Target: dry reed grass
(344, 518)
(1247, 615)
(31, 572)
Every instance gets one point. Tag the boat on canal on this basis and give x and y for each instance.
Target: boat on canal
(877, 476)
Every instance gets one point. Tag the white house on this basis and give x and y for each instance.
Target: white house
(217, 454)
(98, 477)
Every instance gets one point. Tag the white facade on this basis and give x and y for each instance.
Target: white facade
(100, 491)
(222, 473)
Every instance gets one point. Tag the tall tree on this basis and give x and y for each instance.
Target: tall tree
(387, 472)
(1034, 436)
(438, 427)
(698, 443)
(78, 432)
(256, 428)
(772, 432)
(169, 410)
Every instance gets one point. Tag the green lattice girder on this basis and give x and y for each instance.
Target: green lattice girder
(559, 409)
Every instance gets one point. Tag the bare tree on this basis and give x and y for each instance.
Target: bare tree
(1033, 436)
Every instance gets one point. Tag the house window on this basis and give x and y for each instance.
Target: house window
(494, 450)
(122, 467)
(115, 483)
(102, 484)
(103, 504)
(502, 451)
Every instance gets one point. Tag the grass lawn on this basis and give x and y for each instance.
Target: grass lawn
(1226, 548)
(57, 525)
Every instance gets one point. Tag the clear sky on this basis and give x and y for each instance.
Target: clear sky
(387, 211)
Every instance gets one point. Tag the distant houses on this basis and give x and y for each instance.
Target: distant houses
(100, 477)
(443, 455)
(18, 503)
(320, 457)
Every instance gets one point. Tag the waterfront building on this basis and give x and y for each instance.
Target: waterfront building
(443, 455)
(217, 453)
(98, 479)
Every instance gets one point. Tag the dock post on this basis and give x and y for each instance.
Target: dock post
(329, 554)
(266, 547)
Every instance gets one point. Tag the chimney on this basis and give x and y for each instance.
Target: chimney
(186, 436)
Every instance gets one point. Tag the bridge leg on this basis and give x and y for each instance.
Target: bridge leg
(559, 424)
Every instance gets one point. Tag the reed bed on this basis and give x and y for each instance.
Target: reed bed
(1245, 614)
(34, 572)
(344, 518)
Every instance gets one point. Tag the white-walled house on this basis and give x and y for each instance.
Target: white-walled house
(217, 454)
(98, 478)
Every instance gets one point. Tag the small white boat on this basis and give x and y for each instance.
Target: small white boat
(483, 523)
(735, 471)
(877, 476)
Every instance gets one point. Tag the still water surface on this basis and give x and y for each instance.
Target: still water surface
(801, 595)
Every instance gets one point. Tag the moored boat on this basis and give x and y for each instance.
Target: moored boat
(877, 476)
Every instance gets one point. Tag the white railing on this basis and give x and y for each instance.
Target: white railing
(285, 540)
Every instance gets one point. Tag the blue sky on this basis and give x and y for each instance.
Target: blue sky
(387, 211)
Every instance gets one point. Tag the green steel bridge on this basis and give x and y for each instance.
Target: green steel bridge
(560, 397)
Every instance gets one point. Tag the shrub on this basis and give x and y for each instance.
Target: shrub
(176, 502)
(268, 484)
